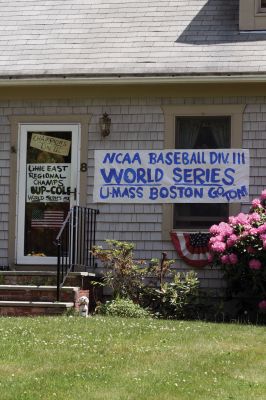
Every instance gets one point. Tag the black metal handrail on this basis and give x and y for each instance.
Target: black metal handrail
(74, 242)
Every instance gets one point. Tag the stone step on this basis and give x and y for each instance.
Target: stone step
(41, 293)
(44, 278)
(34, 308)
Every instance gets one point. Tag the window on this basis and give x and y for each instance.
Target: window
(201, 133)
(263, 5)
(213, 126)
(252, 15)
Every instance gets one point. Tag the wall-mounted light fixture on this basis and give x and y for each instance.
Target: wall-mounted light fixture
(105, 124)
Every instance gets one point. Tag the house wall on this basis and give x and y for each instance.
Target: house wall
(137, 123)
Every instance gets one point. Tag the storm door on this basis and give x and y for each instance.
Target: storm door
(48, 185)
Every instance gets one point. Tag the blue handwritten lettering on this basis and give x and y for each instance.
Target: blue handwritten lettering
(112, 176)
(177, 157)
(119, 192)
(219, 157)
(174, 192)
(109, 158)
(131, 175)
(231, 194)
(239, 158)
(122, 158)
(215, 175)
(199, 176)
(231, 179)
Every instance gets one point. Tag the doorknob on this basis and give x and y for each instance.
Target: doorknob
(75, 193)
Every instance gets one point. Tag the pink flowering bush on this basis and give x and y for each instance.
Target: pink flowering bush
(239, 248)
(262, 305)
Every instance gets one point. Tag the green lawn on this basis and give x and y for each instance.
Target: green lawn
(119, 359)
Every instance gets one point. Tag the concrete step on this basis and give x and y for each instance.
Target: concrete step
(40, 293)
(34, 308)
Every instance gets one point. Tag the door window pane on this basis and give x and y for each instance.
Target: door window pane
(201, 133)
(48, 166)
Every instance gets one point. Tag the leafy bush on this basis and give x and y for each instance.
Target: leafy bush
(124, 274)
(239, 248)
(126, 277)
(160, 269)
(122, 308)
(175, 299)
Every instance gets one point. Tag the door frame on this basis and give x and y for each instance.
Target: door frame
(22, 182)
(83, 122)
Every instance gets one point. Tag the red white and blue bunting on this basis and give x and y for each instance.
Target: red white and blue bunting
(192, 247)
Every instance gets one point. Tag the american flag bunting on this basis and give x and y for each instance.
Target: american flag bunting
(192, 247)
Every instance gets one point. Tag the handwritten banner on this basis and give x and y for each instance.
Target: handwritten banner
(171, 176)
(50, 144)
(48, 183)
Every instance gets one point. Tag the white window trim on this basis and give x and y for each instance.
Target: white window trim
(251, 15)
(235, 112)
(261, 8)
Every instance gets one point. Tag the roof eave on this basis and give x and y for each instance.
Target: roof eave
(124, 79)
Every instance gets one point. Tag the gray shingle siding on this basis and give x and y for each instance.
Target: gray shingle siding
(137, 123)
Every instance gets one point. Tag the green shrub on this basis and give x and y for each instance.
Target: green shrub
(123, 274)
(174, 300)
(160, 268)
(122, 308)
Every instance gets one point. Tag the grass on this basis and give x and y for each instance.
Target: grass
(127, 359)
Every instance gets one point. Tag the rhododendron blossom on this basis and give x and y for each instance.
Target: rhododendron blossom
(247, 227)
(262, 305)
(262, 228)
(242, 219)
(225, 229)
(219, 247)
(214, 230)
(233, 258)
(210, 257)
(263, 195)
(225, 259)
(251, 250)
(254, 264)
(245, 234)
(263, 236)
(232, 239)
(255, 217)
(256, 203)
(216, 239)
(232, 220)
(253, 231)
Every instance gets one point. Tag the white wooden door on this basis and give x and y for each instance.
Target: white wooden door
(48, 185)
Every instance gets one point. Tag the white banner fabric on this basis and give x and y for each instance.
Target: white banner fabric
(48, 183)
(171, 176)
